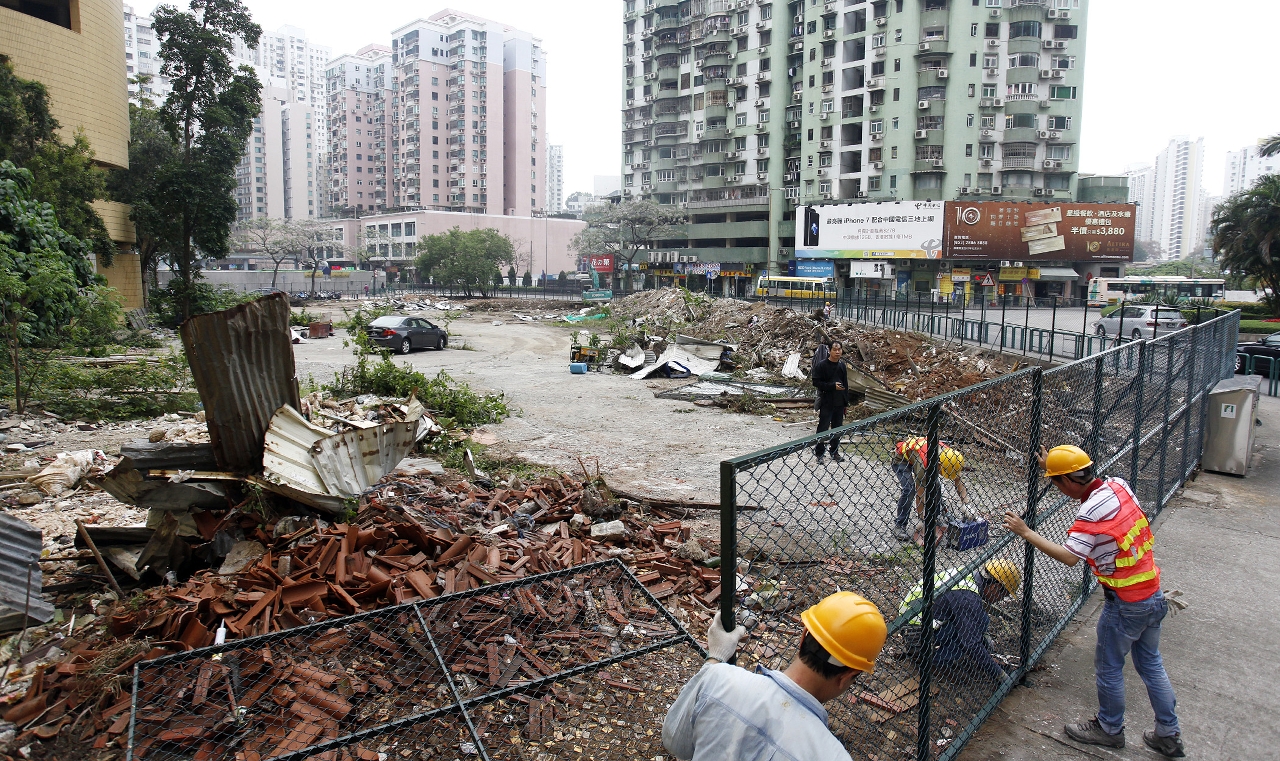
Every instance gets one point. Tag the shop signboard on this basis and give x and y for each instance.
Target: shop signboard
(891, 230)
(600, 262)
(1033, 232)
(864, 270)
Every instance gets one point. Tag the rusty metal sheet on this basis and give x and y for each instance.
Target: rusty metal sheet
(242, 360)
(351, 462)
(20, 545)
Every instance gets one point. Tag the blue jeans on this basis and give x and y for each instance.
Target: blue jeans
(1126, 627)
(908, 498)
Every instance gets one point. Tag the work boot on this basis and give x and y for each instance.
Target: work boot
(1169, 747)
(900, 533)
(837, 457)
(821, 459)
(1091, 733)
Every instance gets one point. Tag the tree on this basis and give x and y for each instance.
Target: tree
(528, 279)
(511, 274)
(209, 114)
(316, 242)
(274, 239)
(468, 259)
(42, 271)
(151, 149)
(63, 175)
(625, 230)
(1246, 234)
(1270, 146)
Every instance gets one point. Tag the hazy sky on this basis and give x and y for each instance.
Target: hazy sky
(1153, 70)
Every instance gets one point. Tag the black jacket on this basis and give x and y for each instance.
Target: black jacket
(825, 377)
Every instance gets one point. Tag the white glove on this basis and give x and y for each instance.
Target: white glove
(721, 644)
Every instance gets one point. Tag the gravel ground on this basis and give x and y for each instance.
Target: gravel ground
(654, 446)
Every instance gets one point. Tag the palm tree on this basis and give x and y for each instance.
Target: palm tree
(1270, 146)
(1246, 233)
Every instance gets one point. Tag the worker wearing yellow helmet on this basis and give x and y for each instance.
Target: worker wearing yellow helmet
(910, 464)
(1112, 535)
(726, 713)
(960, 620)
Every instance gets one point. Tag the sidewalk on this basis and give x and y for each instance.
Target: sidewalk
(1219, 543)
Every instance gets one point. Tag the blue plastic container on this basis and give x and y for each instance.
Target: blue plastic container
(971, 535)
(578, 368)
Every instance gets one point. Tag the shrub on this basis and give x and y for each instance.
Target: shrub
(454, 404)
(166, 303)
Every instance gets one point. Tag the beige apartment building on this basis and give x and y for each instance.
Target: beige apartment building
(450, 118)
(74, 47)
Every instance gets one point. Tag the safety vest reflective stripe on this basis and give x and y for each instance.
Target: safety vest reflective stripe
(1138, 552)
(968, 584)
(1128, 581)
(1128, 538)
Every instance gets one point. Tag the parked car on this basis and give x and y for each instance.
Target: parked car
(404, 334)
(1140, 321)
(1267, 347)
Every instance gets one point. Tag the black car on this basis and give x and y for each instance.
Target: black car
(1267, 347)
(404, 334)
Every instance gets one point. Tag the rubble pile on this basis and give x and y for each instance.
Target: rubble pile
(415, 538)
(907, 364)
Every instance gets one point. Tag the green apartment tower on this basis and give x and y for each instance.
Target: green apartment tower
(740, 109)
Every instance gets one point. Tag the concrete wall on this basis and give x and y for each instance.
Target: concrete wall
(125, 275)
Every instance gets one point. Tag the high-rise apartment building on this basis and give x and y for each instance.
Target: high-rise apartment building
(555, 178)
(1175, 198)
(288, 60)
(740, 111)
(141, 57)
(458, 104)
(1142, 189)
(280, 175)
(1244, 167)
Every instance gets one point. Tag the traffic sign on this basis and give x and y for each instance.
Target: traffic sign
(987, 281)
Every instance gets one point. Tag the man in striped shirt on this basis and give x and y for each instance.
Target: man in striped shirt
(1112, 535)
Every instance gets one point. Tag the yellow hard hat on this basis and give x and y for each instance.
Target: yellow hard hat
(1065, 460)
(1005, 572)
(950, 463)
(849, 627)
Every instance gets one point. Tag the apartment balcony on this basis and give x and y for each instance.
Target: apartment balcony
(933, 47)
(670, 23)
(923, 166)
(1020, 162)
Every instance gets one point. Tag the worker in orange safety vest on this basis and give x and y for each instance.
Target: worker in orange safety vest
(1112, 535)
(909, 466)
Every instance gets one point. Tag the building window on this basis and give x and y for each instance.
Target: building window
(54, 11)
(1024, 60)
(1062, 93)
(1059, 123)
(1064, 31)
(1058, 152)
(993, 31)
(1024, 29)
(1057, 181)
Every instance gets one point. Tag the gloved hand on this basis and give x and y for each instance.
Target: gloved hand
(721, 644)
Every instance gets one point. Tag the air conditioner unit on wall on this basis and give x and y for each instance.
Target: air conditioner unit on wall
(995, 190)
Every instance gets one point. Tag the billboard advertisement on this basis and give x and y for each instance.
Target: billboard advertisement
(1053, 232)
(893, 230)
(601, 262)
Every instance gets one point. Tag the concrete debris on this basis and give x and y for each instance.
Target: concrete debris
(242, 555)
(609, 532)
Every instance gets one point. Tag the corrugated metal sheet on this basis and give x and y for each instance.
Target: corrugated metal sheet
(242, 360)
(351, 462)
(20, 545)
(289, 444)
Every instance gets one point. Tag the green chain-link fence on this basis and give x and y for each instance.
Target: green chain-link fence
(818, 526)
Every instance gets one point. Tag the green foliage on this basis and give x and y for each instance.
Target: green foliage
(172, 304)
(302, 318)
(469, 260)
(63, 174)
(122, 392)
(209, 116)
(44, 274)
(511, 274)
(454, 404)
(1270, 146)
(151, 148)
(1258, 326)
(359, 319)
(527, 280)
(1246, 233)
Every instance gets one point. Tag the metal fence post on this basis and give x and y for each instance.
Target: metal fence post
(932, 507)
(1053, 328)
(1169, 376)
(1004, 308)
(728, 544)
(1033, 490)
(1095, 432)
(1137, 413)
(1190, 400)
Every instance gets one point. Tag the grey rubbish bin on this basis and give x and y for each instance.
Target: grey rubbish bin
(1233, 407)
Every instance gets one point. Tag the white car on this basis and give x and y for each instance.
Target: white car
(1140, 321)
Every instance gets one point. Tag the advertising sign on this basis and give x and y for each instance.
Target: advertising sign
(872, 270)
(710, 269)
(815, 268)
(894, 230)
(1060, 232)
(600, 262)
(960, 274)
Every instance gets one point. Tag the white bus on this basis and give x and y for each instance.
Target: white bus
(1105, 291)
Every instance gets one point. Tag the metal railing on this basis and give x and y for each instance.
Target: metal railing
(818, 526)
(489, 672)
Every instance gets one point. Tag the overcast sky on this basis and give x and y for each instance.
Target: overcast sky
(1154, 70)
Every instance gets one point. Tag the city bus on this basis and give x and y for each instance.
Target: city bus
(1104, 291)
(797, 287)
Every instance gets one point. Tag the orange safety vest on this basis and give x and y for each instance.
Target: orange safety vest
(916, 445)
(1137, 576)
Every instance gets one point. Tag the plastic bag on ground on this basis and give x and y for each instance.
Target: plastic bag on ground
(64, 473)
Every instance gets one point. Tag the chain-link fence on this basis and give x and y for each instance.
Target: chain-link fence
(971, 608)
(573, 664)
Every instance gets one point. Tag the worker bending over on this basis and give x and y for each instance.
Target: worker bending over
(959, 619)
(1112, 535)
(730, 714)
(910, 464)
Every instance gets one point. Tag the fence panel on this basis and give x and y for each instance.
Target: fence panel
(811, 525)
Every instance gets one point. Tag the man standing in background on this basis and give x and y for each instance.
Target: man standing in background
(832, 382)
